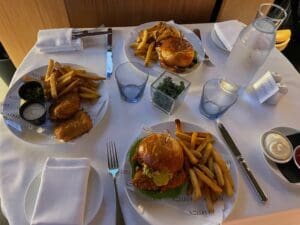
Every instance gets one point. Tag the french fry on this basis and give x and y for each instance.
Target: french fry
(144, 39)
(89, 76)
(89, 96)
(58, 67)
(53, 89)
(188, 153)
(66, 75)
(66, 81)
(227, 186)
(186, 136)
(88, 90)
(210, 163)
(178, 125)
(148, 54)
(203, 144)
(183, 136)
(207, 171)
(91, 83)
(208, 199)
(196, 154)
(195, 184)
(209, 182)
(219, 175)
(218, 159)
(49, 69)
(70, 87)
(207, 152)
(193, 140)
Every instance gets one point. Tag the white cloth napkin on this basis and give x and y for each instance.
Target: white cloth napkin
(57, 40)
(62, 194)
(228, 32)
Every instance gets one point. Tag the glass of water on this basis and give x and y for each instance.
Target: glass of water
(217, 97)
(131, 81)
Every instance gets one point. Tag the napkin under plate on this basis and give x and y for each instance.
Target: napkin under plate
(57, 40)
(61, 197)
(228, 32)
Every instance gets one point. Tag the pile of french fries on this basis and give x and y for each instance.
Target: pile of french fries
(61, 79)
(148, 39)
(208, 173)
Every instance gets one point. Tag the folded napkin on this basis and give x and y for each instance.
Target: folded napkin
(62, 194)
(57, 40)
(228, 32)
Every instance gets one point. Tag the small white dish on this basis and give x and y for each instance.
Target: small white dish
(216, 40)
(279, 146)
(296, 154)
(93, 199)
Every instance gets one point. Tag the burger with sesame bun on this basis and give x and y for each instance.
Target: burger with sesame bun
(176, 54)
(157, 165)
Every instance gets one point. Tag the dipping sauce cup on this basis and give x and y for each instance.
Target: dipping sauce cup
(296, 156)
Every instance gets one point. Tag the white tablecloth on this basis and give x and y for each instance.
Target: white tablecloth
(20, 162)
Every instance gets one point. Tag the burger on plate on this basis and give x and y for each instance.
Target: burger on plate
(176, 54)
(157, 164)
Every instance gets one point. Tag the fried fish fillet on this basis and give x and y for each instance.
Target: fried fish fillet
(79, 124)
(65, 107)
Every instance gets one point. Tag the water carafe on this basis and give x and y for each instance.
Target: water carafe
(249, 52)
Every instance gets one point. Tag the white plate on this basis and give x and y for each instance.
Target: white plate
(273, 166)
(43, 134)
(156, 213)
(93, 201)
(155, 69)
(216, 40)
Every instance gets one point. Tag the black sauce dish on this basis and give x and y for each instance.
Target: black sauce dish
(34, 112)
(32, 91)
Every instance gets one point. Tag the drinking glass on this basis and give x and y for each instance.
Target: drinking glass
(131, 81)
(217, 97)
(273, 12)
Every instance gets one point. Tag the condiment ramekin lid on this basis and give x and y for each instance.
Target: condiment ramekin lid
(295, 152)
(265, 151)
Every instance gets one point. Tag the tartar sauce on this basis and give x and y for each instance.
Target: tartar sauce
(33, 111)
(277, 146)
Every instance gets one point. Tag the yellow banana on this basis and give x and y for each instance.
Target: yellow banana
(283, 35)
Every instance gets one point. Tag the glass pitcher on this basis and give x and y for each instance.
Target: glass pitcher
(249, 52)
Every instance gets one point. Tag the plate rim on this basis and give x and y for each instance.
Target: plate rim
(157, 69)
(236, 192)
(86, 220)
(102, 112)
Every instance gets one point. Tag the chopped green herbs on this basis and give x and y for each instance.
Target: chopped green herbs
(169, 91)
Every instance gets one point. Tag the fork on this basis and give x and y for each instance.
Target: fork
(113, 170)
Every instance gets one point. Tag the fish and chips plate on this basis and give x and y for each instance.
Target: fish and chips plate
(75, 99)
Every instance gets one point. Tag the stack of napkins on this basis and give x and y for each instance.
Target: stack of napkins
(57, 40)
(228, 32)
(62, 194)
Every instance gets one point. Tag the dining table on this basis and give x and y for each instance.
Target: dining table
(21, 162)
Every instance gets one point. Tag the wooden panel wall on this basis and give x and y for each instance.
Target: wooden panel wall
(242, 10)
(20, 21)
(133, 12)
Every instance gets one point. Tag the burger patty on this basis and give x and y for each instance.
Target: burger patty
(143, 182)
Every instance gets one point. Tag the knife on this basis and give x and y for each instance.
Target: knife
(109, 63)
(236, 152)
